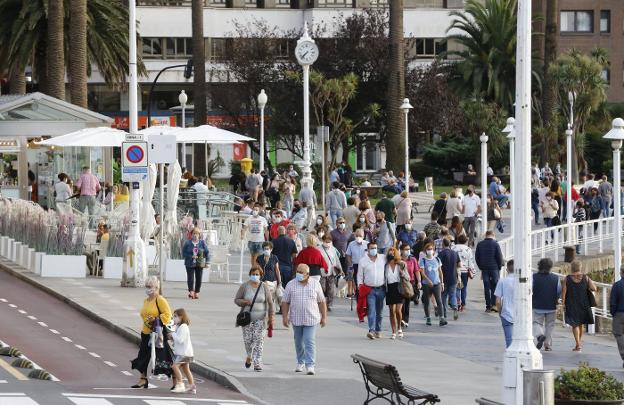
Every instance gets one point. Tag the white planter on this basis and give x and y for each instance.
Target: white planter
(15, 252)
(25, 258)
(175, 270)
(113, 267)
(31, 260)
(4, 243)
(67, 266)
(37, 263)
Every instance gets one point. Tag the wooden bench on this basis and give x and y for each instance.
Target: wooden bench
(382, 381)
(371, 191)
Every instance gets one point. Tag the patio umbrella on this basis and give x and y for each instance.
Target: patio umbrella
(173, 191)
(148, 223)
(89, 137)
(210, 134)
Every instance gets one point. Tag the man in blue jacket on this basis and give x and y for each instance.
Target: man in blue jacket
(617, 311)
(489, 258)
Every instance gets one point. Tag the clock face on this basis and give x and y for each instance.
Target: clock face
(306, 53)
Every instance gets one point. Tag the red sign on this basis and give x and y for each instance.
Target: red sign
(135, 154)
(239, 151)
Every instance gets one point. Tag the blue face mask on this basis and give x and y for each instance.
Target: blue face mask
(254, 278)
(195, 238)
(300, 277)
(372, 252)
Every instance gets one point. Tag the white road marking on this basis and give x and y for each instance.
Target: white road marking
(128, 308)
(13, 305)
(110, 363)
(3, 381)
(90, 401)
(11, 394)
(56, 332)
(163, 402)
(81, 347)
(97, 356)
(152, 398)
(126, 373)
(34, 318)
(21, 311)
(43, 324)
(3, 299)
(65, 338)
(17, 401)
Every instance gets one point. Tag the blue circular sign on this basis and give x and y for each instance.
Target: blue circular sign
(135, 154)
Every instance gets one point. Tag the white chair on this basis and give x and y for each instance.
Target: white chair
(219, 258)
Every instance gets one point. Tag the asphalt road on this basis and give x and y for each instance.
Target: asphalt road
(91, 363)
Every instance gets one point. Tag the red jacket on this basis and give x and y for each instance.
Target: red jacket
(313, 258)
(362, 309)
(273, 230)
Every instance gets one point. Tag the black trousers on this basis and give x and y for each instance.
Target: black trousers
(194, 275)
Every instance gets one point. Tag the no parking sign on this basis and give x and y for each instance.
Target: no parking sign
(134, 161)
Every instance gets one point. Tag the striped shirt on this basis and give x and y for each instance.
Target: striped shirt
(303, 299)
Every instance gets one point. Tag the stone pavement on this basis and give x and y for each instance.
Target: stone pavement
(459, 362)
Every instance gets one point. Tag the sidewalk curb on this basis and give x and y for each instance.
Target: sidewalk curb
(200, 368)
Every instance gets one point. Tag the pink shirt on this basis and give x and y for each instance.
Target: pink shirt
(88, 184)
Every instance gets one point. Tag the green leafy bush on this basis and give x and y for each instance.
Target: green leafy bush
(587, 383)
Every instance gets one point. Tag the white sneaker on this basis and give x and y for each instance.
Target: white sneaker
(179, 388)
(192, 389)
(400, 334)
(300, 368)
(310, 370)
(393, 336)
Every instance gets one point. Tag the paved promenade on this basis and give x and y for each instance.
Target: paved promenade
(459, 362)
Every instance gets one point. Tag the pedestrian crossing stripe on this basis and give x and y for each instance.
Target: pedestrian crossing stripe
(150, 400)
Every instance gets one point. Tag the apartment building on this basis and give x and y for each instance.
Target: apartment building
(587, 24)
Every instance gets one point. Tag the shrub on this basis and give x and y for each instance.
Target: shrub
(587, 383)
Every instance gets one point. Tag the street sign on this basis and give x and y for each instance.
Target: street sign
(134, 138)
(134, 161)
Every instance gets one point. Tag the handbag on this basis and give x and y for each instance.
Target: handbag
(162, 351)
(407, 289)
(243, 318)
(591, 297)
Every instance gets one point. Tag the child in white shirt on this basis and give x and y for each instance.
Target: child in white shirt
(182, 352)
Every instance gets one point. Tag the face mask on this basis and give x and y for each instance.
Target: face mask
(548, 198)
(254, 278)
(341, 226)
(319, 221)
(327, 244)
(429, 252)
(195, 238)
(300, 277)
(267, 252)
(389, 257)
(405, 253)
(362, 220)
(321, 234)
(256, 213)
(278, 219)
(149, 291)
(372, 252)
(408, 227)
(359, 239)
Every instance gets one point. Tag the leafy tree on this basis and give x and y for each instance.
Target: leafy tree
(581, 74)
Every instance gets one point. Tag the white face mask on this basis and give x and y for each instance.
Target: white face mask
(362, 220)
(359, 239)
(319, 221)
(408, 227)
(341, 226)
(150, 291)
(321, 234)
(327, 244)
(429, 252)
(256, 213)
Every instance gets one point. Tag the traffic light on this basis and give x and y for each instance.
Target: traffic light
(188, 70)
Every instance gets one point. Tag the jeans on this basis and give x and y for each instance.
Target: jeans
(305, 344)
(426, 297)
(194, 278)
(508, 330)
(535, 208)
(502, 199)
(286, 273)
(449, 291)
(333, 216)
(618, 331)
(375, 304)
(469, 226)
(462, 292)
(543, 324)
(490, 279)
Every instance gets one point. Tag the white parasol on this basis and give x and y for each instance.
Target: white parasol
(173, 191)
(148, 223)
(89, 137)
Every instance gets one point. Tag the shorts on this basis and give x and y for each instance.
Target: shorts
(182, 359)
(349, 274)
(255, 248)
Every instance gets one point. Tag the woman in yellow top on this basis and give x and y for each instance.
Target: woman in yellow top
(124, 194)
(154, 306)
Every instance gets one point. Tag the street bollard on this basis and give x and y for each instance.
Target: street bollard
(539, 387)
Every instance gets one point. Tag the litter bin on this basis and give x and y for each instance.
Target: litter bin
(539, 387)
(246, 165)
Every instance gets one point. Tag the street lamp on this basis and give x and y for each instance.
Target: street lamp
(569, 132)
(616, 135)
(183, 98)
(484, 191)
(406, 107)
(511, 135)
(262, 100)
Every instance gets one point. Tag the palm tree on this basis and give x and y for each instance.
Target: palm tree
(55, 52)
(395, 135)
(23, 38)
(486, 69)
(199, 63)
(78, 54)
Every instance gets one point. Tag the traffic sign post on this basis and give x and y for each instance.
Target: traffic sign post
(134, 161)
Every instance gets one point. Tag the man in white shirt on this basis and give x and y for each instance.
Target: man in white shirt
(471, 209)
(257, 227)
(371, 273)
(505, 291)
(307, 196)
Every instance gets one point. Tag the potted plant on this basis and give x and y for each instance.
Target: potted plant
(587, 385)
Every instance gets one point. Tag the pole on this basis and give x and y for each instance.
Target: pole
(617, 217)
(321, 131)
(161, 238)
(569, 208)
(134, 261)
(261, 163)
(407, 173)
(184, 145)
(149, 97)
(484, 190)
(512, 169)
(522, 354)
(206, 158)
(306, 166)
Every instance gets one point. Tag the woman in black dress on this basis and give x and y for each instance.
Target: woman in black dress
(575, 296)
(394, 298)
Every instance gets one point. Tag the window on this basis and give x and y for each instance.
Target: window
(283, 2)
(251, 2)
(335, 3)
(179, 47)
(152, 47)
(280, 48)
(577, 21)
(606, 75)
(218, 49)
(429, 47)
(605, 21)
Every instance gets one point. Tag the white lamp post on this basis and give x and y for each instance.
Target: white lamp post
(406, 107)
(569, 208)
(511, 135)
(262, 100)
(484, 187)
(183, 98)
(522, 354)
(616, 135)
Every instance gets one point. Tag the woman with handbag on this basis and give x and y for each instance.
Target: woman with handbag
(254, 298)
(578, 298)
(156, 314)
(394, 290)
(467, 269)
(196, 255)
